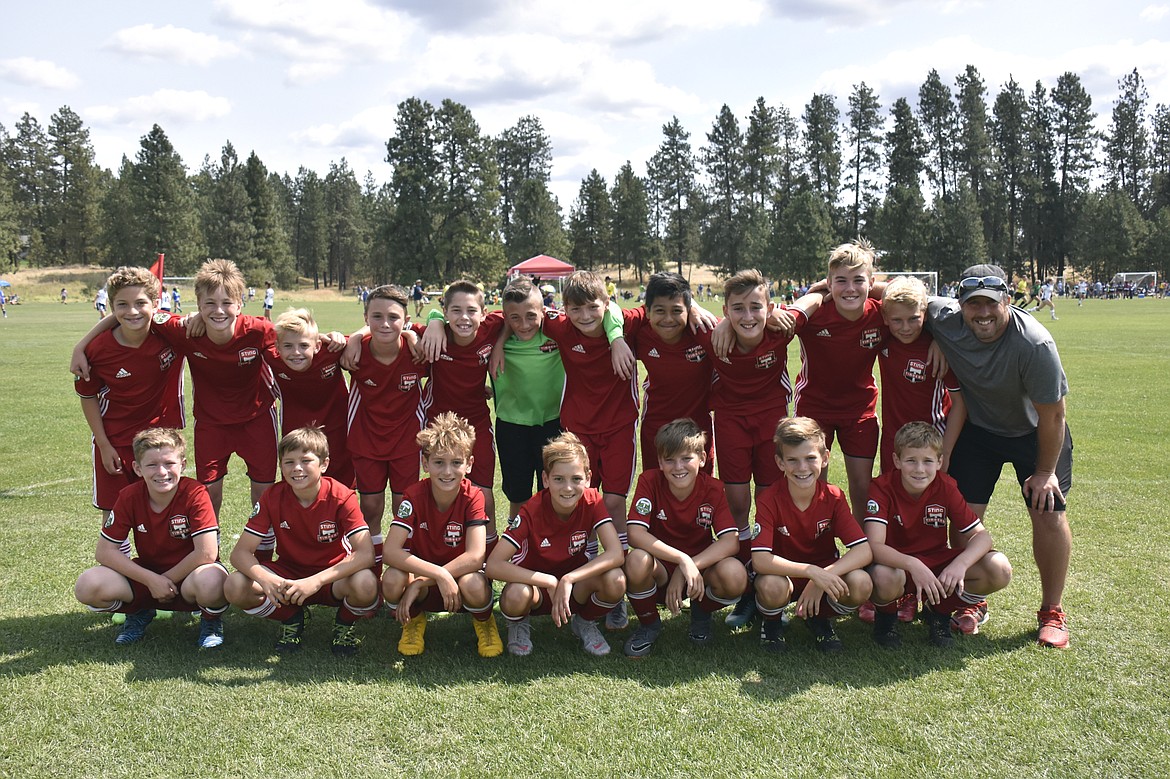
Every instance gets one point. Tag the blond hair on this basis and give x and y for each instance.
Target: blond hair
(220, 273)
(158, 438)
(858, 255)
(304, 439)
(794, 431)
(918, 435)
(563, 449)
(448, 432)
(681, 436)
(908, 291)
(296, 320)
(129, 276)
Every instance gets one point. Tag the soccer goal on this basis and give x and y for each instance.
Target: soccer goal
(1147, 280)
(929, 278)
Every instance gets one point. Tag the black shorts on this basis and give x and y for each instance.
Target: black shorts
(518, 447)
(980, 455)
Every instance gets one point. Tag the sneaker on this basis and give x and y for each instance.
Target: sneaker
(938, 628)
(969, 619)
(743, 614)
(772, 636)
(908, 608)
(824, 635)
(291, 631)
(642, 641)
(1053, 628)
(487, 637)
(135, 627)
(412, 642)
(210, 632)
(700, 630)
(618, 617)
(866, 611)
(885, 630)
(519, 637)
(345, 640)
(591, 639)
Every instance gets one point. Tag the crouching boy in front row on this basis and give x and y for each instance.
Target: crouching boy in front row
(795, 555)
(542, 555)
(176, 537)
(906, 519)
(323, 547)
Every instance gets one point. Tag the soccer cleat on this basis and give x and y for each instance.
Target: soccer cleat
(772, 636)
(700, 630)
(291, 631)
(135, 627)
(345, 640)
(642, 640)
(210, 632)
(412, 642)
(969, 619)
(487, 637)
(824, 635)
(1053, 628)
(885, 630)
(519, 637)
(938, 628)
(908, 608)
(866, 611)
(618, 617)
(743, 614)
(591, 639)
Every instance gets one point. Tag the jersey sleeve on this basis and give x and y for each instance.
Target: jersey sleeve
(349, 514)
(878, 505)
(724, 522)
(476, 511)
(958, 510)
(642, 507)
(200, 513)
(519, 526)
(260, 523)
(845, 527)
(766, 522)
(406, 515)
(599, 514)
(116, 528)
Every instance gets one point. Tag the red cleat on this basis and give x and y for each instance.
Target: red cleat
(969, 619)
(1053, 628)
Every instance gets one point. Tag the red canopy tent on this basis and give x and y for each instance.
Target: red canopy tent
(542, 266)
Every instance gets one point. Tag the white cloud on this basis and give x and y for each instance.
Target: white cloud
(1154, 13)
(165, 106)
(371, 127)
(171, 43)
(37, 73)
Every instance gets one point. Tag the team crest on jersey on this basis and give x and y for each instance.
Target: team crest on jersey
(706, 516)
(915, 372)
(643, 506)
(329, 371)
(870, 339)
(161, 318)
(255, 510)
(514, 522)
(822, 526)
(484, 354)
(695, 353)
(248, 355)
(109, 520)
(407, 382)
(577, 541)
(327, 531)
(405, 509)
(935, 515)
(871, 508)
(180, 526)
(765, 361)
(166, 358)
(548, 347)
(454, 534)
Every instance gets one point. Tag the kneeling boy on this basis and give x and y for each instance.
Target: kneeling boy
(544, 562)
(682, 538)
(437, 543)
(906, 520)
(324, 548)
(176, 537)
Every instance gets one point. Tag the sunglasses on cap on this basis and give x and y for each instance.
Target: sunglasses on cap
(994, 283)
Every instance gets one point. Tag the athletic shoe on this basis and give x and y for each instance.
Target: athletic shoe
(885, 630)
(519, 637)
(642, 641)
(1054, 319)
(743, 613)
(1053, 628)
(772, 636)
(210, 632)
(487, 637)
(824, 635)
(700, 631)
(908, 608)
(412, 642)
(591, 639)
(618, 617)
(345, 640)
(866, 611)
(291, 631)
(135, 627)
(969, 619)
(938, 628)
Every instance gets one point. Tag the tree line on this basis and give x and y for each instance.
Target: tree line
(957, 177)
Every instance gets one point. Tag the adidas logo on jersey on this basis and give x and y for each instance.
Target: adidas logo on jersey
(423, 526)
(652, 353)
(200, 355)
(142, 528)
(545, 544)
(370, 383)
(824, 333)
(661, 515)
(579, 348)
(285, 525)
(122, 374)
(284, 376)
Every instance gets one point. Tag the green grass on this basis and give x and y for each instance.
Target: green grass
(997, 705)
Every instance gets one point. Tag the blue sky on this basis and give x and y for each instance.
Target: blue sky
(304, 83)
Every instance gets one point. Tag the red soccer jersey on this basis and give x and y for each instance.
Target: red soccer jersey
(385, 413)
(688, 525)
(161, 538)
(678, 375)
(439, 536)
(595, 400)
(458, 376)
(232, 382)
(312, 538)
(805, 536)
(909, 392)
(752, 382)
(136, 388)
(836, 373)
(918, 526)
(545, 543)
(313, 397)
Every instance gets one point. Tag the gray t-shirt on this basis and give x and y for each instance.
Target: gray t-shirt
(1000, 380)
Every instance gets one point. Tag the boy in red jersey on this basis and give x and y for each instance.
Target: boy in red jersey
(176, 536)
(795, 554)
(325, 550)
(683, 538)
(907, 517)
(437, 542)
(311, 386)
(542, 554)
(135, 382)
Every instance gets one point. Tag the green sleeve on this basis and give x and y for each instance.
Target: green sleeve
(614, 322)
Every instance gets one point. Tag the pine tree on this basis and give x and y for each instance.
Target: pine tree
(973, 154)
(723, 239)
(863, 133)
(1127, 148)
(590, 223)
(27, 156)
(936, 113)
(822, 147)
(902, 222)
(672, 169)
(523, 153)
(630, 222)
(163, 200)
(271, 234)
(1075, 141)
(411, 152)
(230, 231)
(346, 226)
(310, 227)
(1040, 213)
(1011, 117)
(74, 192)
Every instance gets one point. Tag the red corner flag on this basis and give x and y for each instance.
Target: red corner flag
(157, 268)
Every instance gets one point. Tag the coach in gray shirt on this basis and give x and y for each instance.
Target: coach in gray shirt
(1014, 388)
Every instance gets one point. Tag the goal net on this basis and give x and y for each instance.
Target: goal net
(1147, 280)
(929, 278)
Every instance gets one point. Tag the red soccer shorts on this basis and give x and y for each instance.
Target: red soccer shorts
(611, 459)
(400, 472)
(106, 485)
(254, 441)
(744, 447)
(858, 437)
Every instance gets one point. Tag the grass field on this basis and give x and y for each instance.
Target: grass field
(996, 705)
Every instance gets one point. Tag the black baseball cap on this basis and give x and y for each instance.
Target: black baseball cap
(985, 280)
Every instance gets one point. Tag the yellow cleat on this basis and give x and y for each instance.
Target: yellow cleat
(412, 642)
(487, 634)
